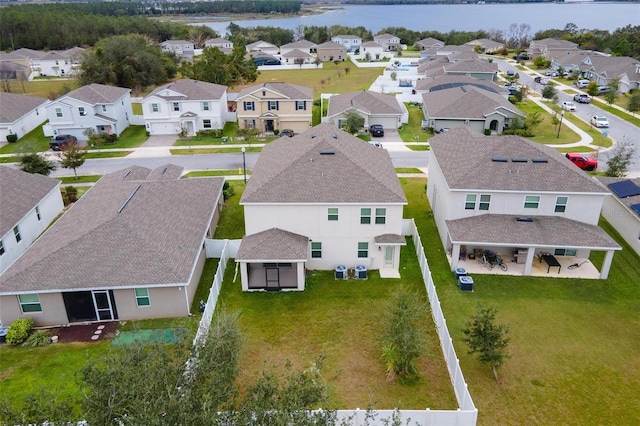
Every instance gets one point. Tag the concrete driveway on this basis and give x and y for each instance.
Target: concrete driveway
(160, 140)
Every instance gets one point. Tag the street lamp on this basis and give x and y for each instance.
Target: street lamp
(560, 125)
(244, 164)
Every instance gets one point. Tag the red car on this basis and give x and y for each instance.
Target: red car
(585, 163)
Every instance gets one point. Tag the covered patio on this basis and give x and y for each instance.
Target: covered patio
(522, 241)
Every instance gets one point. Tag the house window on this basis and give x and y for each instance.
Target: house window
(316, 250)
(531, 201)
(381, 216)
(176, 106)
(249, 106)
(82, 112)
(1, 247)
(58, 112)
(565, 252)
(332, 213)
(205, 106)
(29, 303)
(341, 123)
(249, 124)
(104, 108)
(16, 232)
(206, 124)
(301, 105)
(38, 213)
(155, 108)
(561, 204)
(273, 105)
(142, 296)
(365, 216)
(470, 202)
(363, 250)
(485, 200)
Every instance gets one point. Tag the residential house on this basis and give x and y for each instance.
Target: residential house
(298, 57)
(132, 248)
(331, 51)
(602, 69)
(301, 214)
(350, 42)
(101, 108)
(183, 49)
(550, 47)
(487, 45)
(390, 42)
(456, 80)
(13, 71)
(221, 43)
(271, 106)
(28, 204)
(429, 42)
(20, 114)
(303, 45)
(450, 49)
(375, 108)
(472, 67)
(622, 208)
(22, 56)
(515, 197)
(185, 106)
(58, 63)
(373, 49)
(468, 106)
(261, 46)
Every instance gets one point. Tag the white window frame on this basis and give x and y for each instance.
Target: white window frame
(470, 201)
(381, 216)
(58, 112)
(26, 303)
(206, 123)
(249, 106)
(206, 106)
(363, 250)
(316, 250)
(141, 297)
(82, 112)
(529, 199)
(485, 202)
(333, 213)
(365, 216)
(273, 105)
(176, 106)
(561, 207)
(2, 250)
(38, 215)
(155, 107)
(301, 105)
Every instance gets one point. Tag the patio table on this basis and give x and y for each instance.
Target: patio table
(551, 261)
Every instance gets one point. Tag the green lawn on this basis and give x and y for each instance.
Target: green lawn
(230, 132)
(131, 137)
(46, 88)
(80, 179)
(547, 131)
(206, 173)
(231, 223)
(34, 141)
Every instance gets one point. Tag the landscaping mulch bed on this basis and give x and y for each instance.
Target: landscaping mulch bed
(84, 332)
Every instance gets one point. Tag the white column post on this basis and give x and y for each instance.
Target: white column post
(606, 265)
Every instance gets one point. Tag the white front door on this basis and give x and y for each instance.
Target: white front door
(388, 256)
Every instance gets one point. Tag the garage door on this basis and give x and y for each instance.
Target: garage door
(163, 129)
(387, 122)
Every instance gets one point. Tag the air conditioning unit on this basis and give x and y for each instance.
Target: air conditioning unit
(361, 272)
(341, 272)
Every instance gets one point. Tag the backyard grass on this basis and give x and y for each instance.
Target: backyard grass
(231, 223)
(34, 141)
(418, 147)
(412, 131)
(131, 137)
(48, 88)
(408, 170)
(136, 108)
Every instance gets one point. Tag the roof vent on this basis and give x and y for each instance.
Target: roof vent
(539, 160)
(499, 159)
(327, 152)
(519, 160)
(524, 219)
(127, 174)
(313, 135)
(335, 136)
(164, 171)
(129, 199)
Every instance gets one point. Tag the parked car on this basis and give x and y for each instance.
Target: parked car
(585, 163)
(581, 84)
(599, 121)
(603, 89)
(443, 130)
(521, 57)
(511, 73)
(568, 106)
(376, 130)
(376, 144)
(59, 142)
(551, 73)
(287, 132)
(582, 98)
(542, 80)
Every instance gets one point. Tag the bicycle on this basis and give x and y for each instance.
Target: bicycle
(491, 259)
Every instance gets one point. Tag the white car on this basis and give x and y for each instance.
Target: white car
(568, 106)
(599, 121)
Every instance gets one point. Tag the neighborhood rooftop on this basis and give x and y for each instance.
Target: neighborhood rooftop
(97, 94)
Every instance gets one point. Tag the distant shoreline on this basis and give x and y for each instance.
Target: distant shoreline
(305, 10)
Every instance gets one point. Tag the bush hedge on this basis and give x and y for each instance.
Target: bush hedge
(19, 330)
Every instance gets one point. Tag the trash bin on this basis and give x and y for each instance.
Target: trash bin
(459, 272)
(465, 283)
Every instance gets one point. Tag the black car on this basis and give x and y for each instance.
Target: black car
(59, 142)
(287, 132)
(521, 57)
(376, 130)
(582, 98)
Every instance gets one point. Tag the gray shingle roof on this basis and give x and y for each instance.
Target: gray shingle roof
(365, 101)
(465, 102)
(297, 53)
(293, 170)
(544, 231)
(191, 90)
(330, 45)
(455, 80)
(288, 90)
(300, 44)
(95, 94)
(472, 65)
(20, 192)
(465, 158)
(14, 106)
(121, 233)
(385, 239)
(273, 245)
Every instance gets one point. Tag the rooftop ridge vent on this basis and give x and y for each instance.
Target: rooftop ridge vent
(127, 174)
(539, 160)
(129, 199)
(524, 219)
(327, 152)
(164, 171)
(499, 159)
(519, 160)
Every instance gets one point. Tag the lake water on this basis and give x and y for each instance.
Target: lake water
(462, 17)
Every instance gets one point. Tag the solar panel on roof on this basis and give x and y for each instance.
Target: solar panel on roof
(625, 188)
(635, 208)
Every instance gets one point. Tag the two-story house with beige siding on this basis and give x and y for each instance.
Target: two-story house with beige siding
(331, 51)
(275, 106)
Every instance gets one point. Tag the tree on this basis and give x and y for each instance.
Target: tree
(611, 94)
(592, 89)
(634, 102)
(127, 61)
(72, 156)
(549, 92)
(36, 163)
(352, 122)
(401, 334)
(487, 339)
(620, 159)
(214, 66)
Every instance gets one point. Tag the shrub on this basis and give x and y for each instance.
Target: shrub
(19, 330)
(487, 132)
(276, 131)
(71, 194)
(12, 137)
(38, 338)
(227, 190)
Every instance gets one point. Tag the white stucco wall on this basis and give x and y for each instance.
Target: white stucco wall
(24, 124)
(168, 122)
(626, 222)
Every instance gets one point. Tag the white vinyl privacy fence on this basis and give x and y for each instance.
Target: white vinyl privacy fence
(465, 415)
